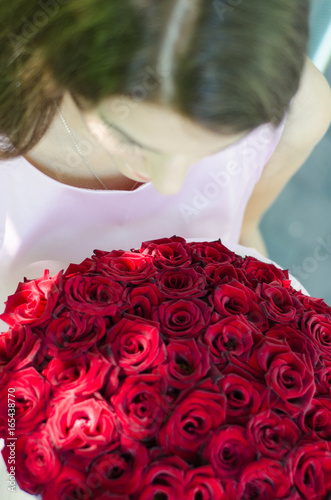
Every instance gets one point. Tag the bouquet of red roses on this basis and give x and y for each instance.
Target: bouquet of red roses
(176, 371)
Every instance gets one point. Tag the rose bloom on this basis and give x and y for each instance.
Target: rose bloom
(303, 345)
(310, 469)
(86, 267)
(121, 470)
(245, 396)
(182, 283)
(72, 333)
(228, 451)
(33, 301)
(126, 266)
(233, 298)
(273, 435)
(197, 413)
(312, 303)
(136, 345)
(233, 334)
(187, 363)
(212, 253)
(168, 253)
(18, 348)
(290, 377)
(216, 274)
(323, 379)
(279, 305)
(69, 484)
(142, 299)
(32, 392)
(265, 479)
(82, 375)
(164, 477)
(202, 481)
(84, 426)
(182, 318)
(92, 295)
(318, 327)
(318, 417)
(141, 405)
(263, 272)
(37, 461)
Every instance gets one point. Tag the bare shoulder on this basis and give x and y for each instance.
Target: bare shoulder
(307, 121)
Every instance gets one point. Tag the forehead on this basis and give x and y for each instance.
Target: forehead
(158, 126)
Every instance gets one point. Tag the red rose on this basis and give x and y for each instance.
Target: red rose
(188, 362)
(318, 417)
(163, 478)
(228, 451)
(265, 479)
(37, 462)
(244, 396)
(86, 267)
(212, 253)
(33, 301)
(273, 435)
(312, 303)
(202, 481)
(142, 299)
(168, 252)
(82, 375)
(291, 378)
(126, 266)
(85, 426)
(318, 327)
(69, 484)
(233, 298)
(182, 283)
(136, 346)
(72, 331)
(304, 346)
(182, 318)
(119, 471)
(141, 405)
(323, 379)
(18, 348)
(279, 305)
(217, 273)
(92, 295)
(30, 397)
(310, 468)
(197, 413)
(233, 334)
(263, 272)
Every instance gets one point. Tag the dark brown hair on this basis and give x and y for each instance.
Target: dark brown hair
(231, 66)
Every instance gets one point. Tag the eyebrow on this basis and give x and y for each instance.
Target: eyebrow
(127, 136)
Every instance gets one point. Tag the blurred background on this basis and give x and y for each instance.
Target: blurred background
(297, 227)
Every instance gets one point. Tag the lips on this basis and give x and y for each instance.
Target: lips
(141, 177)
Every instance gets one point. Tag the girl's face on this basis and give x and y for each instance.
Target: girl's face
(151, 143)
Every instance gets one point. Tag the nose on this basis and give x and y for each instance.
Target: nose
(168, 174)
